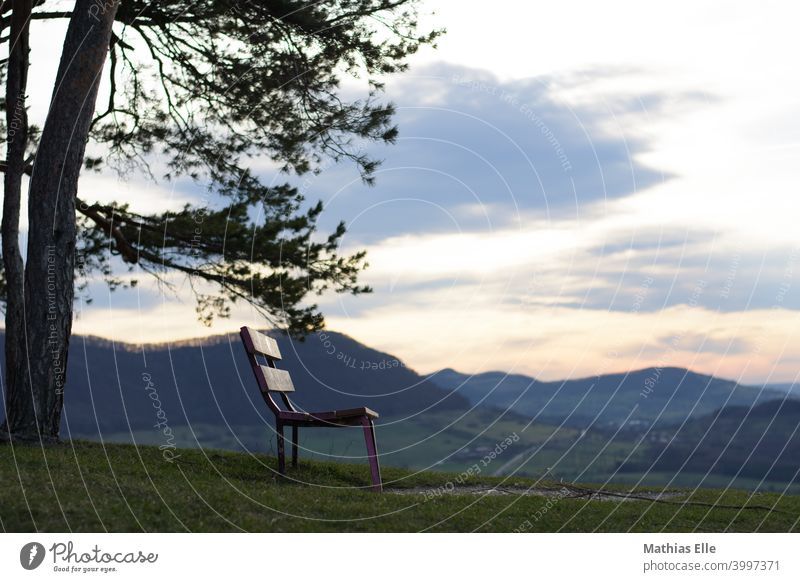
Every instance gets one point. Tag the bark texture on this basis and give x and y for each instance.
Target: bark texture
(16, 140)
(49, 272)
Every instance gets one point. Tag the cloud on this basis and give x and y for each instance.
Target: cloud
(477, 153)
(695, 342)
(470, 332)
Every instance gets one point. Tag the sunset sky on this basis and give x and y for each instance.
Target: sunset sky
(578, 187)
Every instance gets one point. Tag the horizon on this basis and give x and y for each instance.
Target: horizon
(217, 338)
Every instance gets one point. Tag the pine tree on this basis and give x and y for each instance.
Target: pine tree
(200, 90)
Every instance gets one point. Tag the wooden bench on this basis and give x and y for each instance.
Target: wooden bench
(272, 380)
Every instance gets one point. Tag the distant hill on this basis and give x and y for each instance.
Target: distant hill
(209, 382)
(649, 396)
(792, 389)
(760, 443)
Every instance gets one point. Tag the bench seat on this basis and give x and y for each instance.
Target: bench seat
(328, 415)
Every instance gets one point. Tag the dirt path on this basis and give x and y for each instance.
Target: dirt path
(563, 492)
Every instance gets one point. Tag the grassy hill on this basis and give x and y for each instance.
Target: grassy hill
(81, 486)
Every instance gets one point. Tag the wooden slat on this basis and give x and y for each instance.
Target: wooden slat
(277, 380)
(328, 416)
(349, 412)
(256, 342)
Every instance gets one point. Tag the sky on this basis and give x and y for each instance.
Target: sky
(578, 188)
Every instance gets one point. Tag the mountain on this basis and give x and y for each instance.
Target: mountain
(643, 397)
(793, 389)
(117, 387)
(760, 443)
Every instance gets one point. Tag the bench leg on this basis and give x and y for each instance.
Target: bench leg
(372, 453)
(281, 449)
(294, 445)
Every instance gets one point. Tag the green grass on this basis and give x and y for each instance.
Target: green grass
(82, 486)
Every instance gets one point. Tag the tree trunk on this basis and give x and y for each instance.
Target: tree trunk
(49, 271)
(17, 124)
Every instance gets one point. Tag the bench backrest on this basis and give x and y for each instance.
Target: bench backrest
(269, 378)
